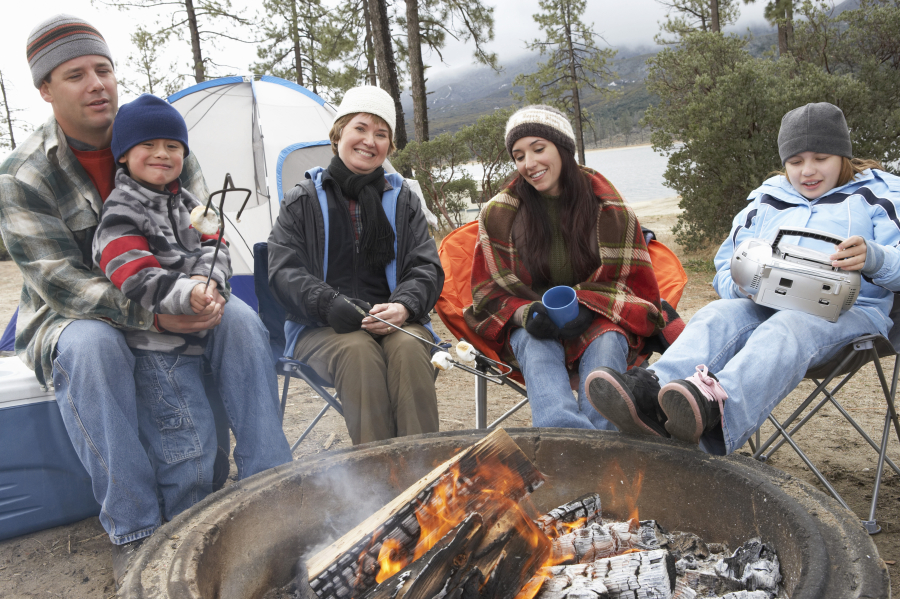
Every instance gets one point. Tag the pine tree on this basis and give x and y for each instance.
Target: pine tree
(684, 16)
(573, 62)
(152, 78)
(193, 20)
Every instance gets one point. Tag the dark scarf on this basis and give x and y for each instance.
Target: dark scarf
(377, 235)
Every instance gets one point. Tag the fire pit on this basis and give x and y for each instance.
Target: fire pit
(247, 539)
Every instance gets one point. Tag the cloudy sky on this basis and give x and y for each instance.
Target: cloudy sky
(623, 23)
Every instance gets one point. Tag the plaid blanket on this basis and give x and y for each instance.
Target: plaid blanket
(622, 291)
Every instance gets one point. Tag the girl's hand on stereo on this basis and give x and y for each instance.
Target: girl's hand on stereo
(850, 254)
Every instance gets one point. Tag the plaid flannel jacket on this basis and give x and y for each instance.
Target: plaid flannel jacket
(49, 210)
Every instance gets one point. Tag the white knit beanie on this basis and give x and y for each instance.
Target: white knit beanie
(370, 99)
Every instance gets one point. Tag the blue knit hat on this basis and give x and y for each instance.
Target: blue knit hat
(148, 117)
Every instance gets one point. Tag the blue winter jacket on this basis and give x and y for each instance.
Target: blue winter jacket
(867, 206)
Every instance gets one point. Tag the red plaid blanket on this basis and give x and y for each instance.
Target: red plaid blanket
(623, 291)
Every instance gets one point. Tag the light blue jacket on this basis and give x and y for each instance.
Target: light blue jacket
(866, 206)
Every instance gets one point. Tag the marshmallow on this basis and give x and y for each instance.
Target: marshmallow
(465, 351)
(205, 225)
(442, 361)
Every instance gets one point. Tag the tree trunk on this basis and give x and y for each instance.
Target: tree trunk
(12, 137)
(387, 67)
(295, 37)
(370, 49)
(785, 27)
(714, 16)
(199, 69)
(573, 74)
(417, 71)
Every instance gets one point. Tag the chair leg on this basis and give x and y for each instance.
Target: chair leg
(310, 427)
(891, 415)
(284, 394)
(809, 464)
(481, 398)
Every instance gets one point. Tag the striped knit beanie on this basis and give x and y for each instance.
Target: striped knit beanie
(539, 120)
(61, 38)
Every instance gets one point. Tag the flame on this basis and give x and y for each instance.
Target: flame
(624, 501)
(390, 559)
(452, 498)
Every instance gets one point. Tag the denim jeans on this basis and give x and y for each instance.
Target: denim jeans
(543, 364)
(176, 422)
(94, 381)
(759, 356)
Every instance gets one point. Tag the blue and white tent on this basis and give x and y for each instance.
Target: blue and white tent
(266, 133)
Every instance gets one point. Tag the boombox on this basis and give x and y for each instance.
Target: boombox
(789, 277)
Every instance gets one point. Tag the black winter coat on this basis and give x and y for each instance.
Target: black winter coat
(297, 253)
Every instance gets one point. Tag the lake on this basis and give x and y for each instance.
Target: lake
(637, 172)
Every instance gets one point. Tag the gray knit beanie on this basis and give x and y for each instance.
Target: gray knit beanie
(61, 38)
(371, 100)
(818, 127)
(539, 120)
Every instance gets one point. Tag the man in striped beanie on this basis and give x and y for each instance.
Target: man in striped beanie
(72, 319)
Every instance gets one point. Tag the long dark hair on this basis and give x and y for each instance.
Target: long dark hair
(578, 213)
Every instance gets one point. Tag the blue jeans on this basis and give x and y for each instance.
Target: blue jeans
(759, 356)
(543, 364)
(176, 422)
(94, 381)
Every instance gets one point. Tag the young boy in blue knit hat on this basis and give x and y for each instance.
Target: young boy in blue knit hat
(147, 247)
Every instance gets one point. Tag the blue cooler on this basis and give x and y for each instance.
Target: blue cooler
(42, 481)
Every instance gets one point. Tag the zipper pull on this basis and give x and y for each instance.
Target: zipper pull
(356, 243)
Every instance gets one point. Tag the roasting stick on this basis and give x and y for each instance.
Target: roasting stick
(227, 186)
(498, 380)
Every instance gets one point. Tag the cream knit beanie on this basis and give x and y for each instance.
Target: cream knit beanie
(370, 99)
(539, 120)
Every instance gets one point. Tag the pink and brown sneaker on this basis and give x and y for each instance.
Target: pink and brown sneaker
(693, 406)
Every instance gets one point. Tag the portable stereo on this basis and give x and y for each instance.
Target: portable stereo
(788, 277)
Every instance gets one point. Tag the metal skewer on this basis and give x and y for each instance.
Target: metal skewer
(497, 380)
(226, 187)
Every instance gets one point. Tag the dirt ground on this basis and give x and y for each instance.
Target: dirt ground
(75, 561)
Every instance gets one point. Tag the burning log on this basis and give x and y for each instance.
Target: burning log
(598, 541)
(488, 478)
(562, 520)
(643, 574)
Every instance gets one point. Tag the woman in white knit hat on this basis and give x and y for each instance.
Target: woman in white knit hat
(559, 224)
(352, 240)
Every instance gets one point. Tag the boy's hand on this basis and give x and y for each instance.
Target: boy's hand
(200, 298)
(850, 254)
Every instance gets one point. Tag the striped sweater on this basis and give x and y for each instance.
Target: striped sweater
(147, 247)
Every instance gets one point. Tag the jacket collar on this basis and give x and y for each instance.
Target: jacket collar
(147, 196)
(779, 187)
(58, 152)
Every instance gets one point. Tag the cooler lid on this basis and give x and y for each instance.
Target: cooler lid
(18, 385)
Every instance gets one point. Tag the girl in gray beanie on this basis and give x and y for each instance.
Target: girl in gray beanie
(736, 359)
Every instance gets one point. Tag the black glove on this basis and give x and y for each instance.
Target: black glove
(346, 314)
(538, 323)
(577, 325)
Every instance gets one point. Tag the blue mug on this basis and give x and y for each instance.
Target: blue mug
(561, 303)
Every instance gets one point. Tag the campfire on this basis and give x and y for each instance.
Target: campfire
(468, 530)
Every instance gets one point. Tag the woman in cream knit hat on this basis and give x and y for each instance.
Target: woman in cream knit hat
(550, 227)
(351, 240)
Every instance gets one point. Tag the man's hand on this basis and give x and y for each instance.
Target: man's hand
(394, 313)
(850, 254)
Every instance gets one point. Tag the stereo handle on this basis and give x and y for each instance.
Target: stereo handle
(810, 233)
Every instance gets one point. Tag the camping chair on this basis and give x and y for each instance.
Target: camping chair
(855, 355)
(273, 317)
(456, 252)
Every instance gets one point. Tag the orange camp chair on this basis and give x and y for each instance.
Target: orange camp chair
(456, 253)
